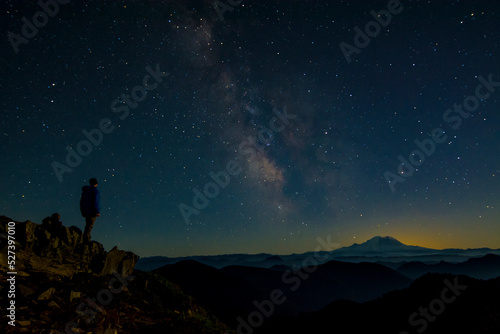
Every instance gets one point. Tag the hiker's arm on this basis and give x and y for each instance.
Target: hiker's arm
(97, 205)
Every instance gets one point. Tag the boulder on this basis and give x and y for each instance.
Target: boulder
(52, 223)
(119, 261)
(47, 294)
(74, 295)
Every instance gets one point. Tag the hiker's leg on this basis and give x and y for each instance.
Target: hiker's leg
(89, 224)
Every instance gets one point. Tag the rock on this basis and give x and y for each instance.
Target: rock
(89, 250)
(47, 294)
(47, 266)
(25, 234)
(53, 222)
(26, 290)
(74, 295)
(111, 320)
(119, 261)
(53, 304)
(76, 232)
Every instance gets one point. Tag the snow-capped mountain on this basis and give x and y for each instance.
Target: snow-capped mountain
(381, 246)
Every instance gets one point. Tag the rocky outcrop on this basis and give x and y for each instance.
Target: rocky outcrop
(63, 285)
(52, 247)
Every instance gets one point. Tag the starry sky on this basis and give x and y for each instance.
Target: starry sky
(278, 119)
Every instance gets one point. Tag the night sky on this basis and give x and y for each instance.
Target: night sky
(301, 128)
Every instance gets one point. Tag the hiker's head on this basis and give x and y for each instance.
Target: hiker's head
(93, 182)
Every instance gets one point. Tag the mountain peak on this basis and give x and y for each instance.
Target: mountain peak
(378, 244)
(385, 240)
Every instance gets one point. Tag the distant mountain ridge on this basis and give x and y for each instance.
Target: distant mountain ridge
(377, 249)
(486, 267)
(231, 291)
(474, 310)
(381, 245)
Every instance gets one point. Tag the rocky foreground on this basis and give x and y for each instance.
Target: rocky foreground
(62, 285)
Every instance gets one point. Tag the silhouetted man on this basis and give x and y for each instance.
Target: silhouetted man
(89, 206)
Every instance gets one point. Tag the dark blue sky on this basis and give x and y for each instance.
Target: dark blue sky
(157, 98)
